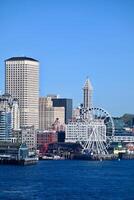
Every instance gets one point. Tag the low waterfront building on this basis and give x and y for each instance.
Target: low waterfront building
(64, 149)
(28, 135)
(12, 151)
(76, 131)
(44, 138)
(119, 125)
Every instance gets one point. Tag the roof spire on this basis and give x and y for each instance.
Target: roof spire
(88, 84)
(87, 94)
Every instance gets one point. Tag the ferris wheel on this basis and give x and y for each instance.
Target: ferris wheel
(99, 132)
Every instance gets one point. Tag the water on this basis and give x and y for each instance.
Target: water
(68, 180)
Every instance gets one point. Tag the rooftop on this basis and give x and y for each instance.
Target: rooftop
(21, 58)
(88, 84)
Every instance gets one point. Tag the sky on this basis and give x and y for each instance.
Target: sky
(73, 39)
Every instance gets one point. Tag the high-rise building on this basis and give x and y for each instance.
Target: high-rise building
(87, 94)
(67, 104)
(22, 82)
(5, 117)
(9, 116)
(48, 114)
(15, 115)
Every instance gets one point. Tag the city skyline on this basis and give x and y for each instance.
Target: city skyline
(73, 40)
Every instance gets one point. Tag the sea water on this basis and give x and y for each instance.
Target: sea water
(68, 180)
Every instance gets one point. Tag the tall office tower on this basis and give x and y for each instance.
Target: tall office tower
(48, 114)
(22, 82)
(87, 94)
(5, 117)
(15, 115)
(67, 104)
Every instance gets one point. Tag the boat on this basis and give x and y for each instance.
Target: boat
(47, 158)
(58, 158)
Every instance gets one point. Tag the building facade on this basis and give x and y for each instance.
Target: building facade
(83, 131)
(87, 94)
(76, 113)
(5, 117)
(119, 125)
(44, 138)
(15, 115)
(26, 135)
(60, 130)
(48, 114)
(5, 126)
(67, 104)
(13, 151)
(22, 82)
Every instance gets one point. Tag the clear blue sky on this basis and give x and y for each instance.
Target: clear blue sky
(74, 39)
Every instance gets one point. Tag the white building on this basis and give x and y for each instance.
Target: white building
(22, 82)
(84, 131)
(15, 115)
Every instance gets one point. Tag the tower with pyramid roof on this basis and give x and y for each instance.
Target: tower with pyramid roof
(87, 94)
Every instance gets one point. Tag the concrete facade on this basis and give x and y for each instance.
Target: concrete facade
(27, 135)
(87, 94)
(9, 116)
(67, 104)
(48, 114)
(22, 82)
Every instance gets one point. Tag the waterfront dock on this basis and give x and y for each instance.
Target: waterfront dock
(94, 157)
(27, 161)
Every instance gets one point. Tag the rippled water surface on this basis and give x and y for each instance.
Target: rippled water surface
(68, 180)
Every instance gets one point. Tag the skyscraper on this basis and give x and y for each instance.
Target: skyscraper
(87, 94)
(48, 114)
(67, 104)
(15, 115)
(5, 117)
(22, 82)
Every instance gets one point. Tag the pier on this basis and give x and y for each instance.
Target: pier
(26, 161)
